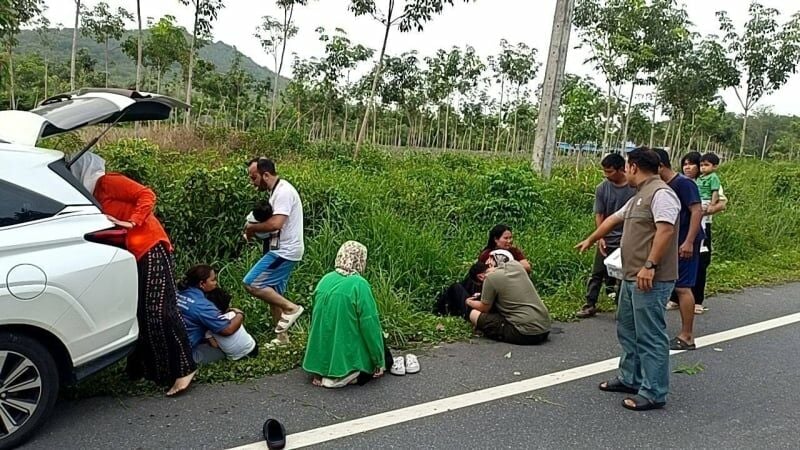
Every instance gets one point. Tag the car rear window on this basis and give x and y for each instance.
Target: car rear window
(60, 168)
(19, 205)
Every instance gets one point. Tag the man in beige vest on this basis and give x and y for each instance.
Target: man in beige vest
(650, 267)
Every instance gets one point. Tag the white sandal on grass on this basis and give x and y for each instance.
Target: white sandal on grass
(398, 367)
(412, 364)
(276, 343)
(336, 383)
(287, 320)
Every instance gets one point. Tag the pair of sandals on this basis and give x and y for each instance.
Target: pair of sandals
(404, 365)
(635, 402)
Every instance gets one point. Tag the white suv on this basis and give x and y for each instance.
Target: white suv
(68, 287)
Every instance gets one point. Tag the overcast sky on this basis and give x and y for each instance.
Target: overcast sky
(480, 24)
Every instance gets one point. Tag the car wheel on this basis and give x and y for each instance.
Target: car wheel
(28, 387)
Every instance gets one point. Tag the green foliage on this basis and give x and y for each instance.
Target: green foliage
(424, 218)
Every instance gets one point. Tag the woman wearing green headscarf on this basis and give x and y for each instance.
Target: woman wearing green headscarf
(346, 338)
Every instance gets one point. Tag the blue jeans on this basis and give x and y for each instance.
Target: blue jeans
(642, 333)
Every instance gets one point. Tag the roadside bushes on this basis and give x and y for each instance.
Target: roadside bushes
(423, 216)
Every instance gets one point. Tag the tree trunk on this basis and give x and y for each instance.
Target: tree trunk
(139, 45)
(653, 127)
(665, 141)
(74, 45)
(344, 123)
(12, 88)
(764, 147)
(608, 118)
(106, 59)
(678, 133)
(514, 129)
(483, 135)
(446, 123)
(627, 119)
(438, 128)
(191, 60)
(287, 20)
(691, 137)
(499, 117)
(708, 142)
(45, 76)
(374, 88)
(744, 131)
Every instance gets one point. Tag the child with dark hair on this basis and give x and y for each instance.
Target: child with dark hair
(212, 334)
(451, 301)
(709, 182)
(261, 212)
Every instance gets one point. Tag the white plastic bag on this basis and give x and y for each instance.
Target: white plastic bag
(614, 264)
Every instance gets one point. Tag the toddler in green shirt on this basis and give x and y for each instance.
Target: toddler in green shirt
(709, 183)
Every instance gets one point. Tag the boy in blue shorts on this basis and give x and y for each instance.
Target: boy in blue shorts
(269, 277)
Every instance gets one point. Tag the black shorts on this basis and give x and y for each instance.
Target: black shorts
(495, 326)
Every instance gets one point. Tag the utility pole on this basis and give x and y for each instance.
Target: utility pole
(550, 103)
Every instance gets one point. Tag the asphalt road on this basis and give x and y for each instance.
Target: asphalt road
(745, 397)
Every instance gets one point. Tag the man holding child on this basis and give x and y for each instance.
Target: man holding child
(269, 277)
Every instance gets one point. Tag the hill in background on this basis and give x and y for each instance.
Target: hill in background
(121, 68)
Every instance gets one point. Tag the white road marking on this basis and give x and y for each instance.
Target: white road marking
(388, 418)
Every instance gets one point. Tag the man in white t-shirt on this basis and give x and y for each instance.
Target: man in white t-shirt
(268, 278)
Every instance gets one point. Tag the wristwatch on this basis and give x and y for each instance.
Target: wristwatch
(650, 265)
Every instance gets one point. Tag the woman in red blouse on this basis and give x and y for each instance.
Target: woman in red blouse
(162, 353)
(500, 237)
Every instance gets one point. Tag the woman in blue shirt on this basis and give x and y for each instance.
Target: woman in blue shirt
(213, 334)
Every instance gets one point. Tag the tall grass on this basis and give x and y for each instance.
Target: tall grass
(424, 218)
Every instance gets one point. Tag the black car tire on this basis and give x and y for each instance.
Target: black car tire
(28, 376)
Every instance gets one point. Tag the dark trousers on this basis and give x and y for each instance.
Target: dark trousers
(699, 289)
(599, 275)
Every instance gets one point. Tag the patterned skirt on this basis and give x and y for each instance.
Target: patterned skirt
(163, 352)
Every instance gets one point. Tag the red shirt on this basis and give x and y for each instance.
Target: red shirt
(129, 201)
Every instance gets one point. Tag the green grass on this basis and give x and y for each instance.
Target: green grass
(424, 218)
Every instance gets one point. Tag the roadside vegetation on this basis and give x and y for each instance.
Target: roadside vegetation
(418, 154)
(424, 217)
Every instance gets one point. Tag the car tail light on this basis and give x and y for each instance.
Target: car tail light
(112, 236)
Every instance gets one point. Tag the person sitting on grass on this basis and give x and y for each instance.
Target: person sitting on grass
(213, 335)
(346, 338)
(509, 308)
(451, 301)
(501, 237)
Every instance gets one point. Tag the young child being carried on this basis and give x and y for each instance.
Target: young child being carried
(261, 212)
(709, 183)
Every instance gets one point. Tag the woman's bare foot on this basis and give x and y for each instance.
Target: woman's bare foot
(316, 381)
(181, 384)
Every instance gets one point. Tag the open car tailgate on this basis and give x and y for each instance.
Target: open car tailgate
(88, 106)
